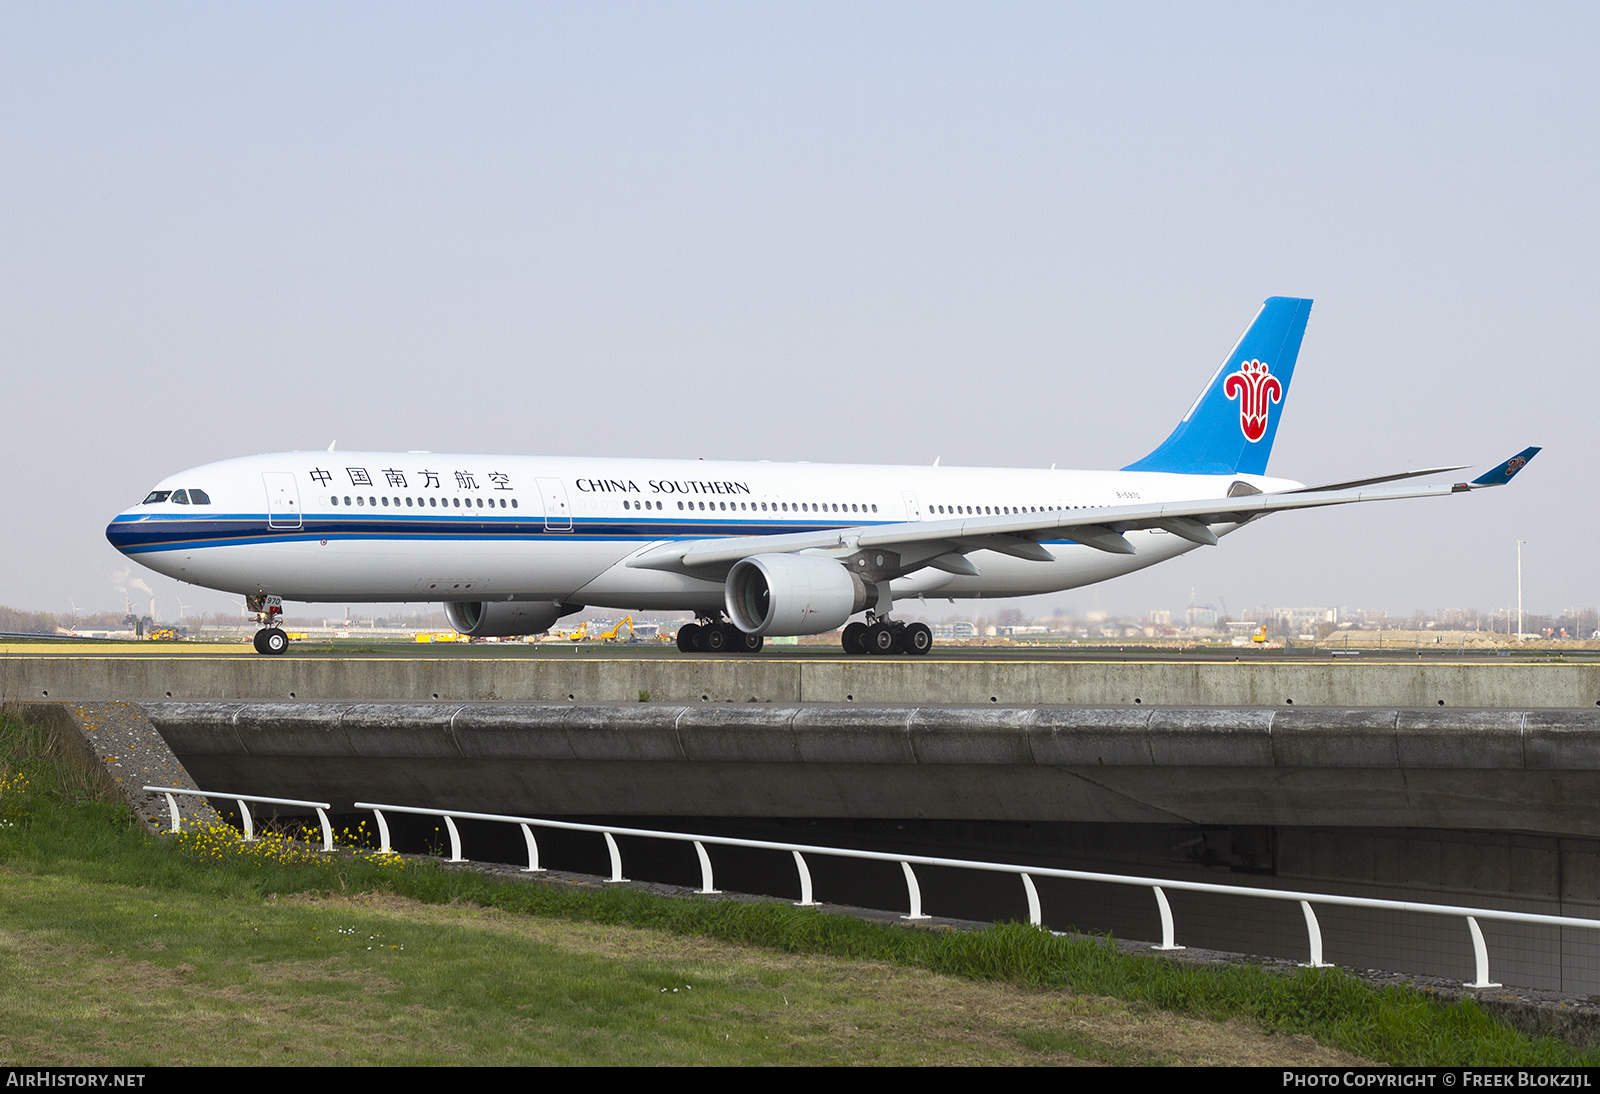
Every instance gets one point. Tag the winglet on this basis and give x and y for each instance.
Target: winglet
(1506, 471)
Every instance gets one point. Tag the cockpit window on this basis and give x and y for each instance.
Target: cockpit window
(199, 497)
(180, 497)
(157, 496)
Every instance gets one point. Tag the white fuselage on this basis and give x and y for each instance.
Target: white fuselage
(362, 526)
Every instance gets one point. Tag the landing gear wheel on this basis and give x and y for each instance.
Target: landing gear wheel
(918, 639)
(880, 639)
(749, 643)
(715, 639)
(271, 640)
(854, 638)
(688, 636)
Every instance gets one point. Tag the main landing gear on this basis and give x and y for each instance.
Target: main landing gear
(886, 636)
(876, 636)
(714, 636)
(270, 639)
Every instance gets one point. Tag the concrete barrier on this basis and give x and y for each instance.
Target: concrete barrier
(587, 677)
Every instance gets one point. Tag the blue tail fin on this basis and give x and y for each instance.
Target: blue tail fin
(1230, 427)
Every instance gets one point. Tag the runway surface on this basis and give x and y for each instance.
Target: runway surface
(355, 649)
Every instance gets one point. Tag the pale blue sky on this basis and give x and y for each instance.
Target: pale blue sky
(998, 234)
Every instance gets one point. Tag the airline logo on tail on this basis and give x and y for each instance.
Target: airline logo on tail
(1256, 389)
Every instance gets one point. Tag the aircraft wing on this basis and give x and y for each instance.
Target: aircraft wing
(942, 543)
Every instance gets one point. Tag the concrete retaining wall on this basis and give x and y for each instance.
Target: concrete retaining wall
(1536, 771)
(589, 678)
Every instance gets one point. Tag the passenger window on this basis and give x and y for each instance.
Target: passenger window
(513, 503)
(359, 500)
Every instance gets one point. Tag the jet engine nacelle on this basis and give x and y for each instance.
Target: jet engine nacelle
(794, 594)
(504, 619)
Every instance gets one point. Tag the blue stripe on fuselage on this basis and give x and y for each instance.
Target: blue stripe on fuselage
(144, 534)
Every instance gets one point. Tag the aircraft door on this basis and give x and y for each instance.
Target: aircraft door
(557, 513)
(283, 499)
(913, 510)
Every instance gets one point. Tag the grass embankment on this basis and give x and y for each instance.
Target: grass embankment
(121, 947)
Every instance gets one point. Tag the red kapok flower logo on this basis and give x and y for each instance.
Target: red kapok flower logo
(1256, 389)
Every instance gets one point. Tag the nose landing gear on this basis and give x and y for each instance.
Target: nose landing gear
(270, 639)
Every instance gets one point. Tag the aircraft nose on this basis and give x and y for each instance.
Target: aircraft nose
(119, 533)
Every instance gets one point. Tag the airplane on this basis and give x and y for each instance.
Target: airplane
(510, 544)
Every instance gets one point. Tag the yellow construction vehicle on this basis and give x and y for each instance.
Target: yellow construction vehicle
(611, 635)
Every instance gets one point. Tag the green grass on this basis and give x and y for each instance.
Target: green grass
(51, 828)
(149, 977)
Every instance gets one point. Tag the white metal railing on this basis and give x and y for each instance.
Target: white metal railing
(244, 810)
(1158, 886)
